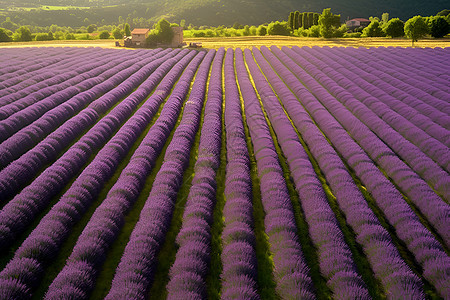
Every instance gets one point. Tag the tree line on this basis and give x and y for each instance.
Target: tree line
(55, 32)
(306, 20)
(328, 25)
(305, 24)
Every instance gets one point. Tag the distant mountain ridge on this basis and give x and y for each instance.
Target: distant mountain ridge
(219, 12)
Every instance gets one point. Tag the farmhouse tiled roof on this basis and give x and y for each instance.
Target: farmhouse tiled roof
(360, 20)
(140, 31)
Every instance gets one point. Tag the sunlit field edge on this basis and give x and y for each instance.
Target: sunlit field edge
(250, 41)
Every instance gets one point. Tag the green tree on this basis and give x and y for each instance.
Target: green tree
(439, 27)
(310, 19)
(341, 31)
(262, 30)
(416, 28)
(278, 28)
(59, 35)
(374, 29)
(8, 24)
(41, 37)
(314, 31)
(53, 28)
(246, 31)
(22, 34)
(117, 33)
(91, 28)
(394, 28)
(69, 36)
(443, 13)
(305, 21)
(385, 18)
(300, 21)
(4, 37)
(164, 32)
(327, 23)
(104, 35)
(291, 19)
(296, 17)
(316, 19)
(126, 29)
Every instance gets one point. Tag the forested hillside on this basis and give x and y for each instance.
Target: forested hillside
(201, 12)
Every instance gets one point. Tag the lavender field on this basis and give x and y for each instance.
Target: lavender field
(270, 173)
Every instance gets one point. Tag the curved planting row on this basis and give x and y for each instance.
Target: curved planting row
(22, 209)
(26, 64)
(290, 269)
(63, 69)
(45, 240)
(369, 84)
(373, 109)
(239, 273)
(422, 195)
(90, 248)
(29, 136)
(95, 85)
(336, 183)
(335, 258)
(135, 271)
(387, 197)
(27, 95)
(188, 272)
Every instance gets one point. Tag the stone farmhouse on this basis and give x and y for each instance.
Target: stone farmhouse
(356, 23)
(139, 35)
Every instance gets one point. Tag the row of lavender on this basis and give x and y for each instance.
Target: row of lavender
(65, 133)
(421, 242)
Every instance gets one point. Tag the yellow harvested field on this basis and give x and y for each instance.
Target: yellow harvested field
(258, 41)
(250, 41)
(62, 43)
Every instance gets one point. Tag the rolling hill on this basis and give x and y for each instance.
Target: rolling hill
(205, 12)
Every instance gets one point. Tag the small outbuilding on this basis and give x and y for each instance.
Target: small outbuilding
(138, 36)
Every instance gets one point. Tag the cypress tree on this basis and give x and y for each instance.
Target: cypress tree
(305, 20)
(291, 20)
(316, 19)
(310, 19)
(300, 20)
(296, 16)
